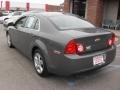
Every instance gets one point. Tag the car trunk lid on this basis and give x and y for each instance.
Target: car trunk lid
(92, 39)
(94, 43)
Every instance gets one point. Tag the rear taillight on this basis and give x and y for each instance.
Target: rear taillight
(80, 48)
(74, 48)
(111, 40)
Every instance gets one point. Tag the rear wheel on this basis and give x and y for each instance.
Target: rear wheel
(39, 63)
(9, 41)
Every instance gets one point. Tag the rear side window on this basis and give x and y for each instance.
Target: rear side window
(30, 22)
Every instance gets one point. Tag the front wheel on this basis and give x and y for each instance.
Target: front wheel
(39, 63)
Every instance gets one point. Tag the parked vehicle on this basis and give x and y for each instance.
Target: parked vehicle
(6, 13)
(8, 22)
(62, 44)
(10, 15)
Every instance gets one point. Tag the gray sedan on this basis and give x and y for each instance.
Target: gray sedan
(62, 44)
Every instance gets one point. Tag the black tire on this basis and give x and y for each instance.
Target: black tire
(43, 72)
(9, 41)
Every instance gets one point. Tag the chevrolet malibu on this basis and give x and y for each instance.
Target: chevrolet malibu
(60, 43)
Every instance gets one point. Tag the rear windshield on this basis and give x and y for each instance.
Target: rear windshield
(70, 22)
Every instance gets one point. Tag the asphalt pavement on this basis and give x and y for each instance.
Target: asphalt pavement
(17, 73)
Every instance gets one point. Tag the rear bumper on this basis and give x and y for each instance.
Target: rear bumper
(72, 64)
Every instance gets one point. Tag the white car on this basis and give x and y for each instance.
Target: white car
(10, 15)
(9, 21)
(5, 13)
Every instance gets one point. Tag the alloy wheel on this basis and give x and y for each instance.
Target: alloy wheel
(38, 63)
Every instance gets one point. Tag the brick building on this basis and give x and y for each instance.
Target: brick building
(95, 11)
(53, 8)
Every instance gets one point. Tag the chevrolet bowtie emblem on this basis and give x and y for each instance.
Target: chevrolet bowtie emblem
(97, 39)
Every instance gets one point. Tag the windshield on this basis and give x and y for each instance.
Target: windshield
(70, 22)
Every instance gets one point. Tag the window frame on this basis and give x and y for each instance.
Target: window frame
(38, 24)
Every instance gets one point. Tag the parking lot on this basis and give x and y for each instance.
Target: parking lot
(17, 73)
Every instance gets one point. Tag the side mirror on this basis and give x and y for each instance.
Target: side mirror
(11, 24)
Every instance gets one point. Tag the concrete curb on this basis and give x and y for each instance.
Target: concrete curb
(118, 45)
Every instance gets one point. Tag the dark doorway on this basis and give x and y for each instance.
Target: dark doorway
(79, 7)
(118, 17)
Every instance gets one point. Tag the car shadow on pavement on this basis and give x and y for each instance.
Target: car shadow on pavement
(86, 77)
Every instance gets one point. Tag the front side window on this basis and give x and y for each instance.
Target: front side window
(70, 22)
(21, 22)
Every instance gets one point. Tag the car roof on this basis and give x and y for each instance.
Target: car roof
(47, 14)
(52, 14)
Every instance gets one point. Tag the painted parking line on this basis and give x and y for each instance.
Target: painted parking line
(72, 82)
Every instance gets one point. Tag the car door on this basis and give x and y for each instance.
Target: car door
(27, 34)
(15, 31)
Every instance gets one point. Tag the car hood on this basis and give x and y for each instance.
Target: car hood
(85, 32)
(14, 18)
(3, 17)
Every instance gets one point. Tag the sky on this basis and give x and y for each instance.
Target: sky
(54, 2)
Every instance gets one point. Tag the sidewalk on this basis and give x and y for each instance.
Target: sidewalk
(117, 32)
